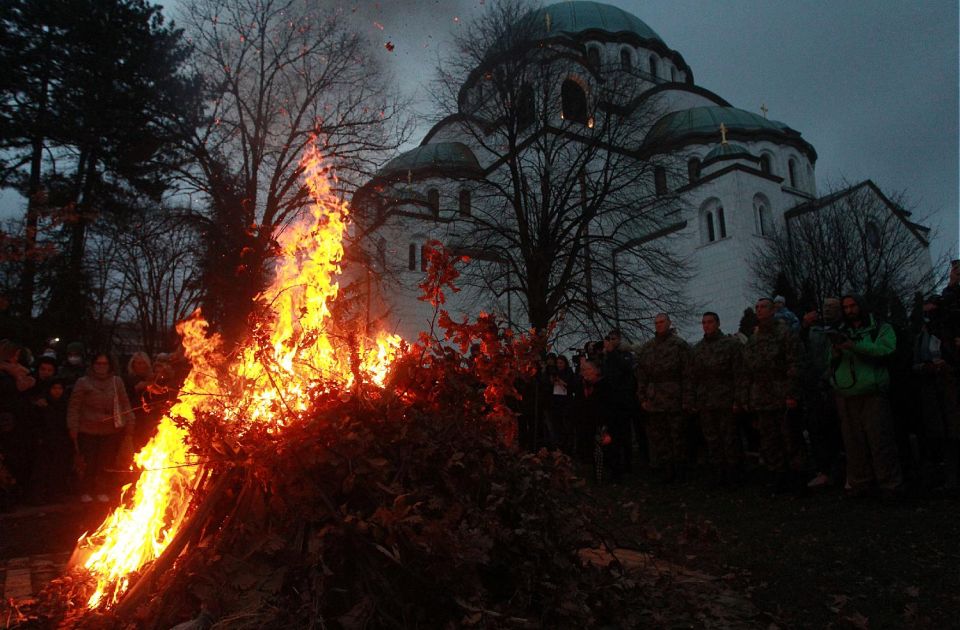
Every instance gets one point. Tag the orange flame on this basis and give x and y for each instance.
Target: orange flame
(268, 382)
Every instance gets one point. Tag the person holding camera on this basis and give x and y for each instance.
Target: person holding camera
(859, 352)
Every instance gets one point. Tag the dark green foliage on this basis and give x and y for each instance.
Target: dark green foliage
(95, 104)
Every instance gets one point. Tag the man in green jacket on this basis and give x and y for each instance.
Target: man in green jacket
(860, 380)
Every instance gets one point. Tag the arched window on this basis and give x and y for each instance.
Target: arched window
(872, 232)
(412, 257)
(465, 202)
(423, 258)
(765, 164)
(761, 210)
(708, 231)
(593, 57)
(673, 74)
(693, 169)
(433, 201)
(573, 102)
(626, 60)
(713, 223)
(653, 66)
(660, 180)
(792, 168)
(526, 111)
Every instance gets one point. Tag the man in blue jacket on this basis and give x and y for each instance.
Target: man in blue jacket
(858, 356)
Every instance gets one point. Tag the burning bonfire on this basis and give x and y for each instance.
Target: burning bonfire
(318, 478)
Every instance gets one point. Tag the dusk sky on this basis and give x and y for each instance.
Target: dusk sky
(872, 85)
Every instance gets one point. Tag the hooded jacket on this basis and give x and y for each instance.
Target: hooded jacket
(863, 368)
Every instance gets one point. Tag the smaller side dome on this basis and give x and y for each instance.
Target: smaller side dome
(442, 158)
(729, 151)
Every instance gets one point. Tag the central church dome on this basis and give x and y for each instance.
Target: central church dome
(582, 18)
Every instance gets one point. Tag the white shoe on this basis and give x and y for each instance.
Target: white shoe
(819, 481)
(102, 498)
(85, 498)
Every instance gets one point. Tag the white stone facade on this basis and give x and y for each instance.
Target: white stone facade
(754, 190)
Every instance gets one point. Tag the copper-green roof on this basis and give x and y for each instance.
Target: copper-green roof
(727, 151)
(707, 120)
(440, 156)
(580, 17)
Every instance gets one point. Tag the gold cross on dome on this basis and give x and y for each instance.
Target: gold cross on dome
(763, 108)
(723, 133)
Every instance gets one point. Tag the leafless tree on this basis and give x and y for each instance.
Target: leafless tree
(145, 276)
(279, 73)
(855, 239)
(568, 211)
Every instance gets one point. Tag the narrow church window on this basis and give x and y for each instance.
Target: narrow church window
(433, 201)
(412, 257)
(626, 61)
(721, 222)
(673, 74)
(525, 106)
(708, 223)
(660, 180)
(764, 226)
(573, 102)
(653, 66)
(873, 234)
(423, 258)
(693, 169)
(765, 165)
(792, 166)
(465, 203)
(593, 57)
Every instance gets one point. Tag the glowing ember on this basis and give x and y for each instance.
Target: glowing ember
(269, 381)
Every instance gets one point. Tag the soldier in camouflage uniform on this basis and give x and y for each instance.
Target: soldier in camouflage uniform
(769, 388)
(716, 363)
(663, 388)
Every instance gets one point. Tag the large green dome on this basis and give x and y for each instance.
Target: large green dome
(575, 18)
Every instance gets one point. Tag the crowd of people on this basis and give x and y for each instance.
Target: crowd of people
(69, 428)
(837, 397)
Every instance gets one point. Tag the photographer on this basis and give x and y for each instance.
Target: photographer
(859, 353)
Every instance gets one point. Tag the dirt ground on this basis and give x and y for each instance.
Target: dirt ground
(816, 561)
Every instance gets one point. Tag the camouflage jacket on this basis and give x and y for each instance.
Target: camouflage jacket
(663, 374)
(769, 368)
(716, 364)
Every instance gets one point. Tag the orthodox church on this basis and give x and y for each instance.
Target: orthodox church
(741, 176)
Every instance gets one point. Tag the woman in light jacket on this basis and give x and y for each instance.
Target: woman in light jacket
(98, 417)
